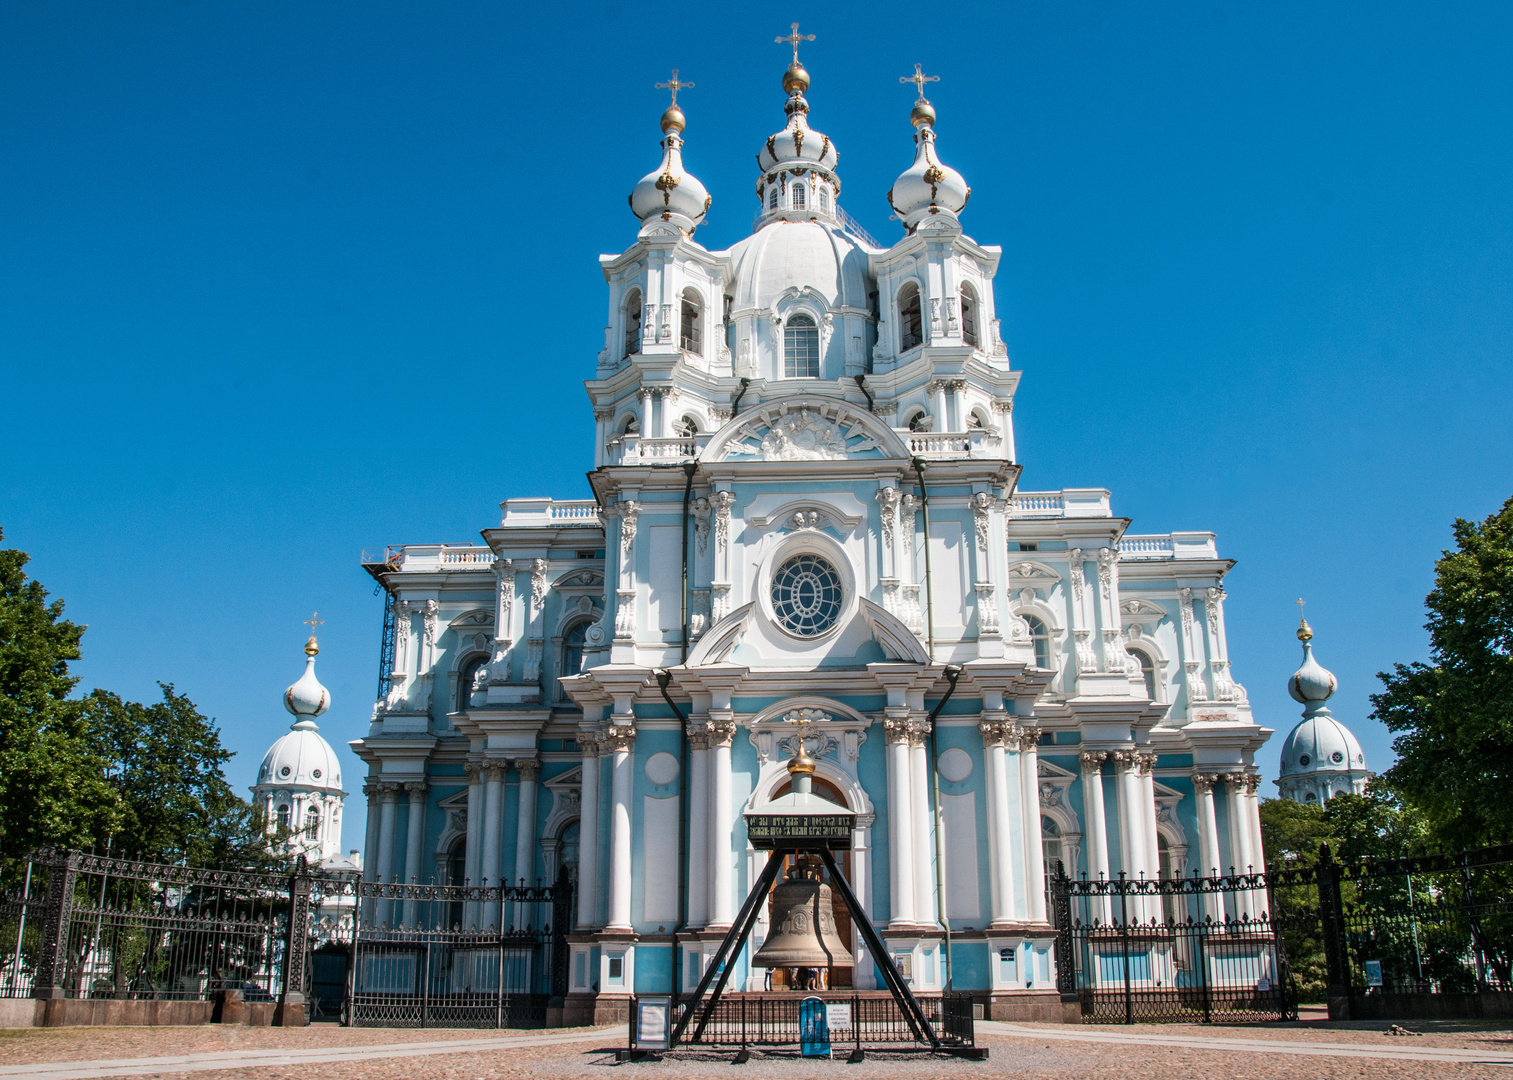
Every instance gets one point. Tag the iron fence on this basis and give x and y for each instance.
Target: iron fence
(773, 1020)
(88, 926)
(1171, 950)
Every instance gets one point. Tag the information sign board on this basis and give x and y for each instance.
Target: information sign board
(766, 831)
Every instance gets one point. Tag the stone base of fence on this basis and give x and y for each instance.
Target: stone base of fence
(1032, 1006)
(104, 1012)
(1487, 1005)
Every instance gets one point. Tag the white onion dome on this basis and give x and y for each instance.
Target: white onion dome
(307, 697)
(796, 152)
(301, 758)
(670, 191)
(1312, 684)
(928, 186)
(1321, 744)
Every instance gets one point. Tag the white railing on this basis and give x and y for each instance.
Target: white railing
(664, 449)
(1146, 547)
(940, 444)
(578, 510)
(1037, 504)
(467, 558)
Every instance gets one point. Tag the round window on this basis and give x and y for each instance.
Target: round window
(1304, 760)
(806, 595)
(284, 771)
(315, 773)
(1336, 757)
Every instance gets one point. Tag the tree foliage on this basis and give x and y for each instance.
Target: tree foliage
(1454, 715)
(146, 780)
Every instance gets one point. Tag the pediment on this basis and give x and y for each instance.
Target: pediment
(579, 579)
(805, 429)
(477, 619)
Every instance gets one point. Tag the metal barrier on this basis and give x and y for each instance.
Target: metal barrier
(742, 1020)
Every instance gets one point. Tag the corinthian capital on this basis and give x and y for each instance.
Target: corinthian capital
(721, 731)
(528, 768)
(1092, 760)
(619, 738)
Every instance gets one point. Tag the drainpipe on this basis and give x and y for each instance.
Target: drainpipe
(689, 468)
(735, 406)
(924, 496)
(871, 405)
(953, 672)
(664, 677)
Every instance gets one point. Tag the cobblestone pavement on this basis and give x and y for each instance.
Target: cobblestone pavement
(1146, 1052)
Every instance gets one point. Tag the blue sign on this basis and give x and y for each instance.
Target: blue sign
(814, 1028)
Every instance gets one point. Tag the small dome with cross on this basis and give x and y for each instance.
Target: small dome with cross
(927, 187)
(670, 191)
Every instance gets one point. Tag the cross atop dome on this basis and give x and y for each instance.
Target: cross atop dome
(793, 38)
(919, 78)
(674, 85)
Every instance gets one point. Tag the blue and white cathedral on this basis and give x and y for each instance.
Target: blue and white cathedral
(807, 508)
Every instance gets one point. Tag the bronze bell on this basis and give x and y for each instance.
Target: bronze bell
(803, 924)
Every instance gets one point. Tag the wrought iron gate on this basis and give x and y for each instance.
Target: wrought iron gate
(456, 956)
(1184, 949)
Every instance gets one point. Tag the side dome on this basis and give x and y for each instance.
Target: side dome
(670, 190)
(307, 697)
(301, 758)
(1312, 684)
(928, 186)
(1321, 744)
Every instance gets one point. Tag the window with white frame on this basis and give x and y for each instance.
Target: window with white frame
(797, 195)
(1147, 670)
(969, 316)
(1040, 637)
(824, 198)
(689, 336)
(633, 322)
(910, 332)
(572, 649)
(772, 196)
(801, 348)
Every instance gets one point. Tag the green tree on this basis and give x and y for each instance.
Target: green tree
(1454, 715)
(52, 776)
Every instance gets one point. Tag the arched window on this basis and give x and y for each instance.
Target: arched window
(457, 870)
(687, 427)
(312, 823)
(969, 316)
(633, 323)
(920, 421)
(824, 198)
(465, 680)
(689, 337)
(798, 196)
(572, 649)
(772, 196)
(909, 331)
(1147, 670)
(1050, 847)
(1040, 637)
(283, 817)
(977, 420)
(801, 348)
(630, 425)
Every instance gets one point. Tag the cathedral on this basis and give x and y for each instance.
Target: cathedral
(807, 524)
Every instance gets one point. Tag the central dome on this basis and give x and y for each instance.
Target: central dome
(795, 256)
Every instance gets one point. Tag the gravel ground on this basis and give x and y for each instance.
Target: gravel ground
(1028, 1054)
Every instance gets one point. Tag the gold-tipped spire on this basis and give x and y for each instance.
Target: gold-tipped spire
(1305, 632)
(673, 119)
(311, 648)
(795, 79)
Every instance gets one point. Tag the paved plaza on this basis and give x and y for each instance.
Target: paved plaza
(1265, 1052)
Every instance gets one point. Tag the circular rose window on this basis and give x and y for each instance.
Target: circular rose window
(1303, 760)
(315, 773)
(1336, 757)
(284, 771)
(806, 595)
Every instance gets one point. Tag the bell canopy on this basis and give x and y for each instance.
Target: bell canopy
(928, 186)
(670, 191)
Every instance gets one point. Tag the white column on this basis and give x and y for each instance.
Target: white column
(863, 974)
(620, 740)
(1253, 819)
(900, 835)
(721, 820)
(525, 827)
(1096, 826)
(1208, 837)
(1029, 800)
(588, 833)
(493, 828)
(698, 826)
(388, 794)
(994, 728)
(1131, 821)
(1239, 837)
(370, 845)
(924, 827)
(415, 835)
(473, 846)
(1148, 815)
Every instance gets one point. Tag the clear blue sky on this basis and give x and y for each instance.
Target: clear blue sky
(279, 281)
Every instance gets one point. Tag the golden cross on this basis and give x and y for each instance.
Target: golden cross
(1300, 602)
(793, 39)
(674, 85)
(312, 622)
(919, 78)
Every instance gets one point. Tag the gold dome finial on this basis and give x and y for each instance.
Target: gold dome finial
(673, 119)
(311, 648)
(801, 762)
(1305, 632)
